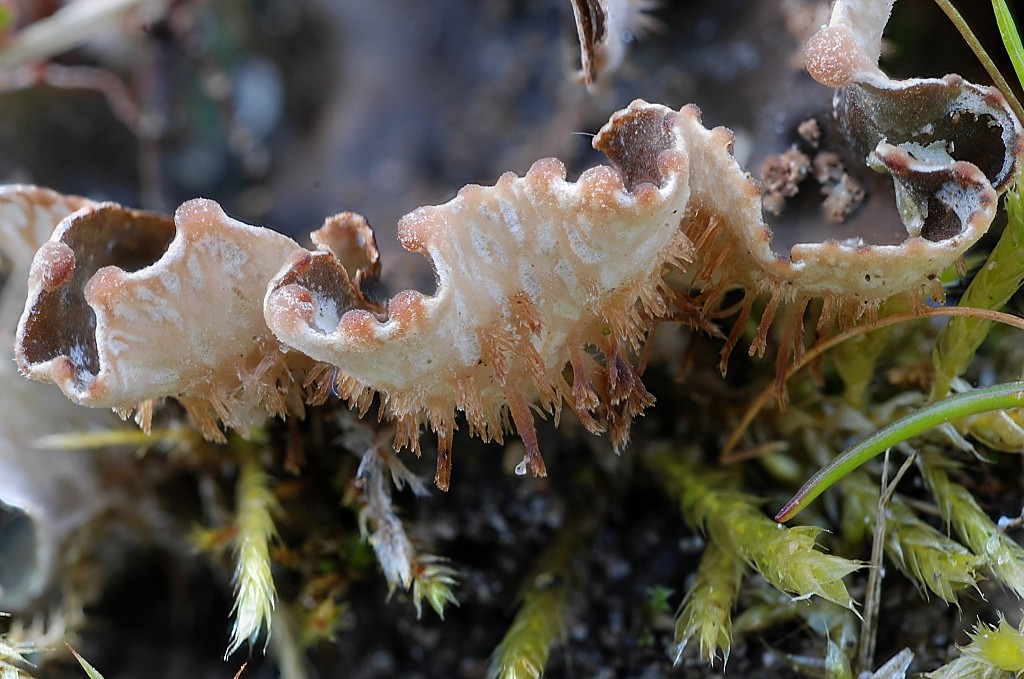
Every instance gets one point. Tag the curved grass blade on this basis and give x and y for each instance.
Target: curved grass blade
(1011, 37)
(998, 397)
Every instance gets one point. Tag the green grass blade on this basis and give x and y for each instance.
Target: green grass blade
(1011, 37)
(998, 397)
(90, 671)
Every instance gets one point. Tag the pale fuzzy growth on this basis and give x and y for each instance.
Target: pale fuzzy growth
(533, 274)
(14, 663)
(126, 307)
(706, 612)
(380, 525)
(255, 593)
(785, 557)
(1003, 557)
(428, 576)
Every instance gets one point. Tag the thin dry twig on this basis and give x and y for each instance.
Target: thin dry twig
(872, 598)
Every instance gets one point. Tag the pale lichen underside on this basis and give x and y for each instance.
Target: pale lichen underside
(126, 307)
(530, 274)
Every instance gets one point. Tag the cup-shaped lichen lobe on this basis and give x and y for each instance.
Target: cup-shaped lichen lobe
(320, 282)
(943, 146)
(634, 139)
(934, 119)
(126, 307)
(948, 145)
(940, 202)
(936, 149)
(922, 136)
(61, 323)
(350, 239)
(530, 272)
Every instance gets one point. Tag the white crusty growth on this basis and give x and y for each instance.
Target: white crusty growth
(125, 307)
(533, 274)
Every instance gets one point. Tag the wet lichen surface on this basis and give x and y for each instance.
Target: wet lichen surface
(380, 109)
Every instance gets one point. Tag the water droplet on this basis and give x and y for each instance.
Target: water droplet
(521, 468)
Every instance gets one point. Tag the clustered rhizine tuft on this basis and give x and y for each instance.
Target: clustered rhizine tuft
(545, 287)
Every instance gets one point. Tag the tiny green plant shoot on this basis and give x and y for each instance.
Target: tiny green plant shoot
(991, 289)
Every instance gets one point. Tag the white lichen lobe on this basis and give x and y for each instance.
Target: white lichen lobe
(126, 307)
